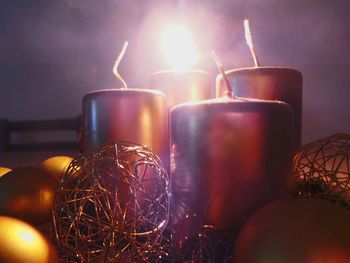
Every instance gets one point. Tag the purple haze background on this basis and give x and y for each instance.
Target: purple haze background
(54, 52)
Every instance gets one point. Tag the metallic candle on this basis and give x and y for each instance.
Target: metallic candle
(268, 83)
(138, 116)
(183, 86)
(228, 158)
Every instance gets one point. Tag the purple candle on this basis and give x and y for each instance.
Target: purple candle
(268, 83)
(228, 158)
(183, 86)
(181, 83)
(138, 116)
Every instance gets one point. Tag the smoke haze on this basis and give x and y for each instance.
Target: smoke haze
(54, 52)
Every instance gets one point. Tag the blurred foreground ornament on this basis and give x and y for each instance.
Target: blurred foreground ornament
(112, 205)
(21, 243)
(322, 170)
(295, 230)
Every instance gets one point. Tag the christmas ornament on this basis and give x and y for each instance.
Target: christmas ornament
(27, 193)
(56, 165)
(4, 170)
(322, 170)
(295, 230)
(21, 243)
(112, 205)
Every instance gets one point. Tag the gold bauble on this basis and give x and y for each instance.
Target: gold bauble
(295, 230)
(56, 165)
(4, 170)
(22, 243)
(27, 193)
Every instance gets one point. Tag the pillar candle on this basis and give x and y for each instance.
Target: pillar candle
(270, 83)
(183, 86)
(228, 158)
(137, 116)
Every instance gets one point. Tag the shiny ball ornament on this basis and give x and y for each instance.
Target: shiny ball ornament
(4, 170)
(295, 230)
(27, 193)
(21, 243)
(56, 165)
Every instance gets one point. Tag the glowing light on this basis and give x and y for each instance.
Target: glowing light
(27, 236)
(22, 243)
(178, 47)
(46, 196)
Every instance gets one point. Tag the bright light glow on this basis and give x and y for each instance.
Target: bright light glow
(27, 236)
(178, 47)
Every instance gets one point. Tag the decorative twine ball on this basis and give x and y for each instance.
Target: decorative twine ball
(112, 205)
(322, 170)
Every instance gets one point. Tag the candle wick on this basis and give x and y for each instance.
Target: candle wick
(220, 66)
(249, 40)
(116, 64)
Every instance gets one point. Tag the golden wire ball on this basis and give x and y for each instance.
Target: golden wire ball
(112, 205)
(322, 170)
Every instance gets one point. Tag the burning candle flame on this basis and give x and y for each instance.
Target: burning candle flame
(178, 47)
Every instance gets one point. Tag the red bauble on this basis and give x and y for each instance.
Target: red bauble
(295, 231)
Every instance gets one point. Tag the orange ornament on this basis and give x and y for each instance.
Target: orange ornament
(295, 230)
(4, 170)
(56, 165)
(27, 193)
(22, 243)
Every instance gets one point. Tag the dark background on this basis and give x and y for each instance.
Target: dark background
(54, 52)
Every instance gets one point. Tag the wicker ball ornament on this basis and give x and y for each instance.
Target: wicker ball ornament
(112, 205)
(322, 170)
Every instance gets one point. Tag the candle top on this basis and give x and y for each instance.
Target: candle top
(181, 72)
(227, 101)
(124, 92)
(262, 70)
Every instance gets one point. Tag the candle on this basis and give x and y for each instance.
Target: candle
(138, 116)
(132, 115)
(183, 86)
(228, 157)
(270, 83)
